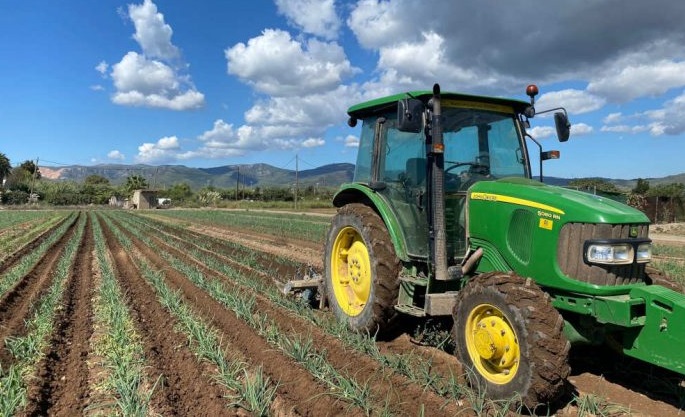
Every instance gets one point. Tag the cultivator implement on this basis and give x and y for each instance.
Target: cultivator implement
(307, 284)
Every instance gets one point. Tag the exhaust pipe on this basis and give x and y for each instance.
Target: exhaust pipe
(438, 188)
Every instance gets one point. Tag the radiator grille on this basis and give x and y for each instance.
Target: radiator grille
(520, 236)
(570, 254)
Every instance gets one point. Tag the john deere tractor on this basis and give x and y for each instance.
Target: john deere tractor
(445, 218)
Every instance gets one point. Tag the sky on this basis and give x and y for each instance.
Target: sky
(216, 82)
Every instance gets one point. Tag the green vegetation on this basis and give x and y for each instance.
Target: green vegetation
(252, 390)
(21, 227)
(29, 349)
(120, 345)
(670, 259)
(9, 278)
(299, 226)
(591, 405)
(414, 367)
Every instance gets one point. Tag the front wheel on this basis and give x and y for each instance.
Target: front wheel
(510, 339)
(361, 269)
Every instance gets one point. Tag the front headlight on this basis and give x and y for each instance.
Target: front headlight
(609, 254)
(644, 253)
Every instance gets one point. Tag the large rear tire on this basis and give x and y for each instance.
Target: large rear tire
(361, 270)
(510, 340)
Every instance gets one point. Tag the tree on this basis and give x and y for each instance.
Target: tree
(208, 197)
(641, 187)
(594, 185)
(96, 180)
(178, 193)
(20, 179)
(5, 168)
(135, 182)
(31, 168)
(669, 200)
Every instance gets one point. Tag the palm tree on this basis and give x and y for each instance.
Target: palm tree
(135, 182)
(5, 168)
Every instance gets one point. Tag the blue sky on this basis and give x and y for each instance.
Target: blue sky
(219, 82)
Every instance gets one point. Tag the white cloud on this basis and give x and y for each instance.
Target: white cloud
(313, 143)
(545, 132)
(567, 42)
(152, 33)
(351, 141)
(378, 23)
(137, 73)
(143, 82)
(542, 132)
(625, 129)
(278, 65)
(116, 155)
(627, 82)
(102, 68)
(670, 120)
(97, 87)
(613, 118)
(220, 133)
(574, 101)
(317, 17)
(399, 69)
(154, 78)
(581, 129)
(164, 150)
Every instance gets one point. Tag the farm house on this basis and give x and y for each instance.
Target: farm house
(144, 199)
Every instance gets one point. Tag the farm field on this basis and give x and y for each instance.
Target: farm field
(176, 312)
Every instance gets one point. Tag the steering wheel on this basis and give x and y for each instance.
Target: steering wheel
(456, 164)
(476, 172)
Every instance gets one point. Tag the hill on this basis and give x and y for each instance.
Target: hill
(228, 176)
(257, 175)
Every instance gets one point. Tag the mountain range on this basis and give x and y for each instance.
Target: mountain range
(228, 176)
(255, 175)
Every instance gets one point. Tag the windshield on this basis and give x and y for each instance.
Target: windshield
(480, 145)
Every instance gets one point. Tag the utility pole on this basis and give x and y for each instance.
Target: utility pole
(33, 180)
(297, 181)
(237, 184)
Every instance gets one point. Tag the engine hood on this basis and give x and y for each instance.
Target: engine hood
(556, 202)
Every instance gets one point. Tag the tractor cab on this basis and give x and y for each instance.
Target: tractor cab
(483, 139)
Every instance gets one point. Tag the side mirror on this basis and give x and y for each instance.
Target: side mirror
(410, 115)
(563, 126)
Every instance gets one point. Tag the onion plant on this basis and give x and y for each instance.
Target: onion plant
(30, 348)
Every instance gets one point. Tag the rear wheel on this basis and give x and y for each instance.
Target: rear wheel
(510, 339)
(361, 269)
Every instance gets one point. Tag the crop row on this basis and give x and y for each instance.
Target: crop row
(419, 369)
(29, 348)
(18, 228)
(164, 319)
(300, 226)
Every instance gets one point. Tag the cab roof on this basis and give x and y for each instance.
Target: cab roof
(384, 104)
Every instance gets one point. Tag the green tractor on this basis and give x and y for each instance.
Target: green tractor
(444, 218)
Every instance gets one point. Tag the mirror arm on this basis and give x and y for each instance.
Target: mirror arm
(551, 110)
(540, 148)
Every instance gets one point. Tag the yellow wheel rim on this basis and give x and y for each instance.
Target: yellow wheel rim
(350, 271)
(492, 344)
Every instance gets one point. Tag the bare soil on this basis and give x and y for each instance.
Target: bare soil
(632, 392)
(64, 380)
(62, 386)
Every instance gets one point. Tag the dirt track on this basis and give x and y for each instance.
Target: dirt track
(187, 385)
